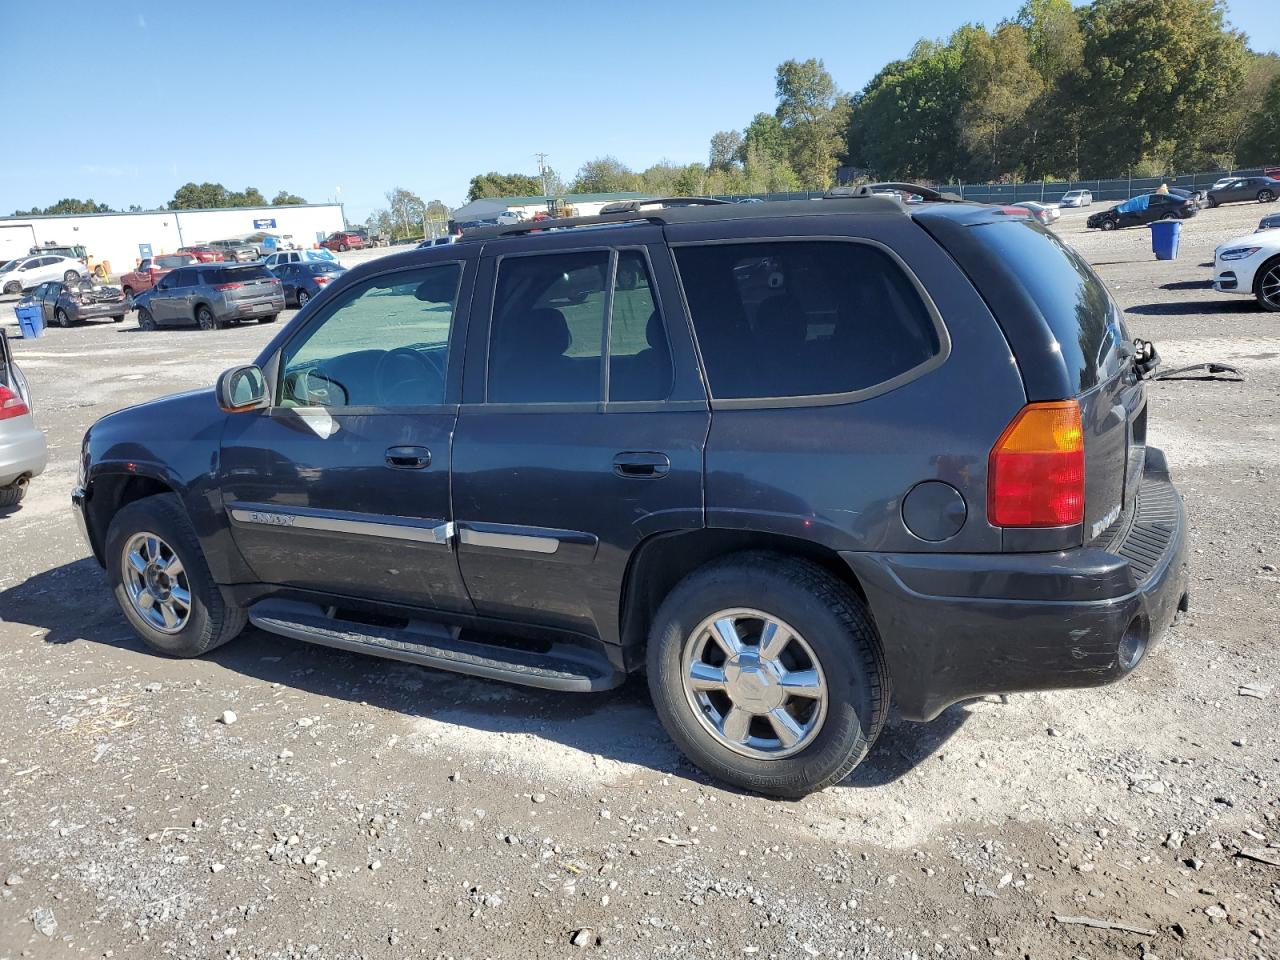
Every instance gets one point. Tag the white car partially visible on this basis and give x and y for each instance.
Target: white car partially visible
(1250, 265)
(25, 273)
(23, 453)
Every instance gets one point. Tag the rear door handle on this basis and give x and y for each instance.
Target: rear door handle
(642, 466)
(408, 458)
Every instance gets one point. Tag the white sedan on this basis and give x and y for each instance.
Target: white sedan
(1250, 265)
(26, 273)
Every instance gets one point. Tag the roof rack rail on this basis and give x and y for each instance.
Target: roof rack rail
(873, 189)
(557, 223)
(623, 206)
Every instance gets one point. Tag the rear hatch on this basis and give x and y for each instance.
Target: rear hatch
(245, 287)
(1069, 339)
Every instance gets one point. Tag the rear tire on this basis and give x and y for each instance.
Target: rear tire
(119, 319)
(1212, 203)
(205, 319)
(1265, 196)
(128, 292)
(61, 319)
(70, 276)
(145, 320)
(302, 298)
(208, 620)
(838, 644)
(12, 495)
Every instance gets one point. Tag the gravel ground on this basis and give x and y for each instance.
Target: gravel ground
(360, 808)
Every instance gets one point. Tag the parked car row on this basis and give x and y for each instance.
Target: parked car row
(25, 273)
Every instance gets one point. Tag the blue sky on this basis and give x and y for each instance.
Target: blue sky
(366, 95)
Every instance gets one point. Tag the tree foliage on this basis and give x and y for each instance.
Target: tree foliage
(209, 196)
(605, 175)
(284, 198)
(1063, 91)
(67, 205)
(486, 185)
(813, 116)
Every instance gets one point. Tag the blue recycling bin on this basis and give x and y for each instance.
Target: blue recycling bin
(1165, 237)
(30, 321)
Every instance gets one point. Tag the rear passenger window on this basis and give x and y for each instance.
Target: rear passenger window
(802, 318)
(639, 356)
(548, 328)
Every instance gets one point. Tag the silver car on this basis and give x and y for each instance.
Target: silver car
(22, 448)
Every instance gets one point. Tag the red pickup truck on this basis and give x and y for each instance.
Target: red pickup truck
(202, 253)
(152, 269)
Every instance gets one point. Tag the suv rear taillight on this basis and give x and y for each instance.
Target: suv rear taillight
(227, 286)
(1035, 474)
(11, 404)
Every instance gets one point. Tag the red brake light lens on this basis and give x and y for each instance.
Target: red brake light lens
(1035, 474)
(227, 286)
(11, 404)
(321, 281)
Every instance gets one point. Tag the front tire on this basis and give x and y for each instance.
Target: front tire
(70, 276)
(1266, 285)
(14, 287)
(162, 583)
(806, 693)
(61, 319)
(145, 320)
(1107, 225)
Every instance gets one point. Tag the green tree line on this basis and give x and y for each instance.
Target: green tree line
(1143, 86)
(189, 196)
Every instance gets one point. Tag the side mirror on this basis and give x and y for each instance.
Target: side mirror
(242, 389)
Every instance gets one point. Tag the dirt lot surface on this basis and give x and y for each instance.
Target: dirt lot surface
(359, 808)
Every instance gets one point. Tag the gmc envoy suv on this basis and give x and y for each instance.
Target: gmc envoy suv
(792, 460)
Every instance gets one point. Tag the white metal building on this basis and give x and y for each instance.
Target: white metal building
(122, 238)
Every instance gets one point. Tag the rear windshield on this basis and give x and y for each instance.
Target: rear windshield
(1073, 301)
(319, 267)
(171, 262)
(250, 271)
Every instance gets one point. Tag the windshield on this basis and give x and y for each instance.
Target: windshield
(323, 267)
(170, 262)
(11, 265)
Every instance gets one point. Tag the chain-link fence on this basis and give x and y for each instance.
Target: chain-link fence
(1050, 191)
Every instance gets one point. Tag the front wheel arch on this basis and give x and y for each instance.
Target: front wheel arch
(1259, 275)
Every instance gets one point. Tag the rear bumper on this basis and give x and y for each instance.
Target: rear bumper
(22, 454)
(96, 311)
(956, 626)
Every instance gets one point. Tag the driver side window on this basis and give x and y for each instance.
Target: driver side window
(382, 343)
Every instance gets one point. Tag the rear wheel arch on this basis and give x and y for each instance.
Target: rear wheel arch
(663, 560)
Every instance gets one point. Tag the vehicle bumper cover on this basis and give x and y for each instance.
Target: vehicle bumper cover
(21, 455)
(80, 503)
(956, 626)
(96, 311)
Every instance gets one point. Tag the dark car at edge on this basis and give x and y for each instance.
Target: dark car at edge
(736, 448)
(1159, 206)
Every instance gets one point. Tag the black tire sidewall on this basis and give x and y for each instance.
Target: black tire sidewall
(850, 724)
(162, 515)
(205, 311)
(145, 320)
(61, 319)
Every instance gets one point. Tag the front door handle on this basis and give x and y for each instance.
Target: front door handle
(642, 466)
(408, 458)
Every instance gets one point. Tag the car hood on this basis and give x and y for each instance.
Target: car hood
(143, 439)
(1267, 239)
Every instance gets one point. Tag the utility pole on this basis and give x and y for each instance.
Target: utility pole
(542, 171)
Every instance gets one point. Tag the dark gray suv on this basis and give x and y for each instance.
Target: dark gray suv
(211, 296)
(793, 460)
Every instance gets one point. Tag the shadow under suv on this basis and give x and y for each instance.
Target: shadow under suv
(793, 460)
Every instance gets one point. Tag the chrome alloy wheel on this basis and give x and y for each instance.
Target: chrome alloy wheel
(1269, 287)
(156, 583)
(754, 684)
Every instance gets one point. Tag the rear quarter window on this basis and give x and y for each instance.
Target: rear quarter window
(787, 319)
(1072, 299)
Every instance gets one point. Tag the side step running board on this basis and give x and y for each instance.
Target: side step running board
(563, 667)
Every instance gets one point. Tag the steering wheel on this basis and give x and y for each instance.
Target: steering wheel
(406, 377)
